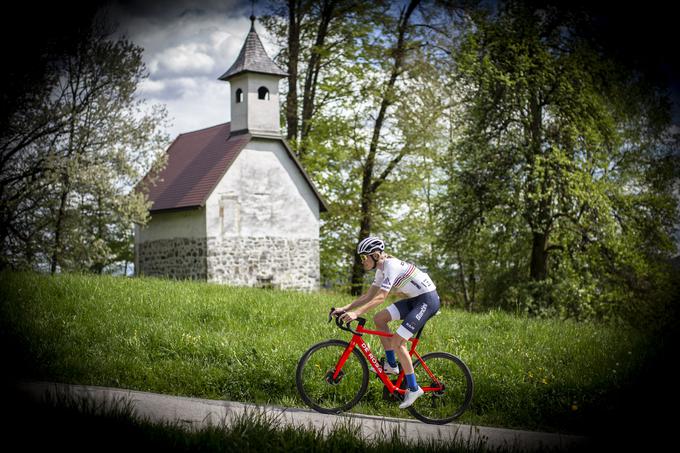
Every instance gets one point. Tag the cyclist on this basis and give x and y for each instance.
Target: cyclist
(421, 302)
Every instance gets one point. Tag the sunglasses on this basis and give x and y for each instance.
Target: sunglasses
(363, 257)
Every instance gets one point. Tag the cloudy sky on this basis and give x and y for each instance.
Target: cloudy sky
(187, 45)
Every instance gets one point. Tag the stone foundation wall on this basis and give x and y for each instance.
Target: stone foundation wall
(180, 258)
(264, 262)
(257, 262)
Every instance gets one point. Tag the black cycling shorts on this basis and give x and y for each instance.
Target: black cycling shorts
(415, 312)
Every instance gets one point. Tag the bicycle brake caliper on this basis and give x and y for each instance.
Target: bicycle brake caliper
(329, 376)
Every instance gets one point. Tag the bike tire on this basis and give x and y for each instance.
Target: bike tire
(314, 386)
(443, 407)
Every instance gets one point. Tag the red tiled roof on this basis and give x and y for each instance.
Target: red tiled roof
(197, 161)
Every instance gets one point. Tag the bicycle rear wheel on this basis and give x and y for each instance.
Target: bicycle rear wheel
(315, 382)
(455, 380)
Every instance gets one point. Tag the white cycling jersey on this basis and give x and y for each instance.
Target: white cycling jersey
(403, 277)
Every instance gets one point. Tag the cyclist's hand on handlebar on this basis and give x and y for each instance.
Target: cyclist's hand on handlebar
(337, 311)
(349, 316)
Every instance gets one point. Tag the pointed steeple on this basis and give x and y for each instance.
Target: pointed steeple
(254, 85)
(253, 58)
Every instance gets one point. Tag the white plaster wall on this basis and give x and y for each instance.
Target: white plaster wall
(239, 111)
(263, 114)
(256, 115)
(177, 224)
(263, 194)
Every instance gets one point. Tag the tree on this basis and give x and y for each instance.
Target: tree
(316, 37)
(367, 133)
(29, 123)
(67, 196)
(559, 148)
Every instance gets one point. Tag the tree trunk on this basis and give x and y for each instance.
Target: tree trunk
(74, 88)
(539, 257)
(463, 283)
(473, 285)
(368, 185)
(4, 233)
(364, 230)
(539, 207)
(98, 266)
(328, 10)
(58, 227)
(293, 57)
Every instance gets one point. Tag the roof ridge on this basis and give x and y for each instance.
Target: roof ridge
(206, 128)
(197, 161)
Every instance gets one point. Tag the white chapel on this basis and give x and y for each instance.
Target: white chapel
(233, 205)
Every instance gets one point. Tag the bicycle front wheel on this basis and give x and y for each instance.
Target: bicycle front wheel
(452, 378)
(317, 385)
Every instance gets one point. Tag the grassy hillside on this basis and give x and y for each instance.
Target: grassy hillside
(211, 341)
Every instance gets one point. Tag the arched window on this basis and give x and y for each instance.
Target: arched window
(263, 93)
(239, 96)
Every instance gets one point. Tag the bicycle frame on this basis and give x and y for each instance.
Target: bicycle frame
(357, 340)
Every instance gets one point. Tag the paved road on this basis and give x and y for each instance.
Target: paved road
(194, 412)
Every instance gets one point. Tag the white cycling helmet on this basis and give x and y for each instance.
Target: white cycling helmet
(369, 245)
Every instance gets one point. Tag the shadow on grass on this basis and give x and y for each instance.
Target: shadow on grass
(77, 424)
(640, 415)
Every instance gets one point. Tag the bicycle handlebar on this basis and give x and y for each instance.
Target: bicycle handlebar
(346, 327)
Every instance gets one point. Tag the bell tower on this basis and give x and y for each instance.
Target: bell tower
(254, 80)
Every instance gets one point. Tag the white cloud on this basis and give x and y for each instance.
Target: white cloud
(187, 46)
(185, 59)
(150, 88)
(198, 107)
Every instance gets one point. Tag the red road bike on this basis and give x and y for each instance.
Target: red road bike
(332, 376)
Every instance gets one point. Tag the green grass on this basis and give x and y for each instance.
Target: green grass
(243, 344)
